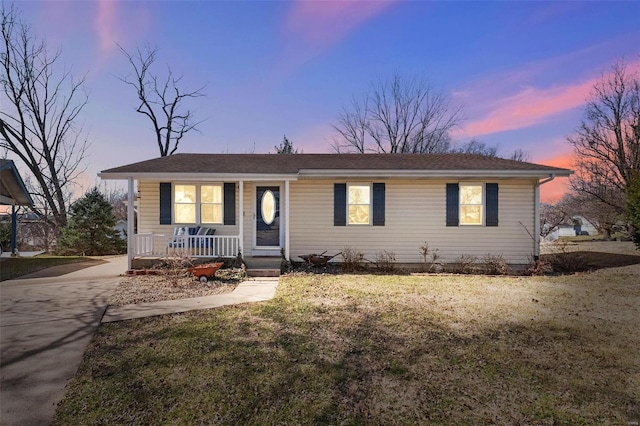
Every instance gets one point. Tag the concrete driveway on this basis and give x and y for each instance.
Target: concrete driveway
(45, 326)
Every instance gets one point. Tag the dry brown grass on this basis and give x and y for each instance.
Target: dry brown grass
(154, 288)
(343, 349)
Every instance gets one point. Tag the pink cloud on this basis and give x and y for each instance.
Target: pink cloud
(532, 106)
(323, 23)
(553, 191)
(113, 23)
(105, 25)
(529, 107)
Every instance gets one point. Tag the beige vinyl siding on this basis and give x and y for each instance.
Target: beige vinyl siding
(415, 213)
(149, 212)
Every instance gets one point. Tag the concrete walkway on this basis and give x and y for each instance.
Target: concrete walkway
(252, 290)
(46, 324)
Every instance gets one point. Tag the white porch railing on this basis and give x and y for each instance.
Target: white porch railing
(157, 245)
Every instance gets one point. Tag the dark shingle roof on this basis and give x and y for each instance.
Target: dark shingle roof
(294, 163)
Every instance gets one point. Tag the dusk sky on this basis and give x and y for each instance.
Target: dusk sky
(521, 70)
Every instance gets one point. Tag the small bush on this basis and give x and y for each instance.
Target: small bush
(353, 260)
(495, 265)
(231, 275)
(538, 267)
(436, 265)
(385, 261)
(285, 264)
(431, 258)
(424, 252)
(467, 264)
(175, 267)
(568, 263)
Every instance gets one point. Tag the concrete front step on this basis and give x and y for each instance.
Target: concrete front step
(263, 272)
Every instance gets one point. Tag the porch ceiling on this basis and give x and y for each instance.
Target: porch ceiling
(12, 188)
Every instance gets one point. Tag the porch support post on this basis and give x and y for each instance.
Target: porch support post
(14, 230)
(536, 222)
(287, 236)
(241, 217)
(131, 199)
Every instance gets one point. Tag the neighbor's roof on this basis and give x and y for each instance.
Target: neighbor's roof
(301, 166)
(12, 188)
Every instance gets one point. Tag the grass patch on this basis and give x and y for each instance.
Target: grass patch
(596, 237)
(389, 349)
(14, 267)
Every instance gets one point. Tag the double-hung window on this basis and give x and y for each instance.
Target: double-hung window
(211, 204)
(359, 204)
(471, 204)
(474, 204)
(197, 203)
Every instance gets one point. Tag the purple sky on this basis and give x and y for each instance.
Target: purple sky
(522, 70)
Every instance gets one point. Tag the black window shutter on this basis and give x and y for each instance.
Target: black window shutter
(339, 204)
(165, 203)
(453, 208)
(378, 204)
(492, 204)
(229, 203)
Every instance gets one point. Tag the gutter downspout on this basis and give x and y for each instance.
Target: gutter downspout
(536, 216)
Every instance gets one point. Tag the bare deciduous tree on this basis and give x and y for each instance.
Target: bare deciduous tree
(552, 216)
(519, 155)
(38, 120)
(605, 217)
(477, 147)
(161, 100)
(398, 116)
(117, 198)
(607, 142)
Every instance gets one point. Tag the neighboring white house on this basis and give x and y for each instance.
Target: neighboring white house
(569, 229)
(121, 227)
(260, 204)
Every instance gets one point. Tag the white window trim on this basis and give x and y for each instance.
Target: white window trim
(198, 203)
(370, 185)
(483, 205)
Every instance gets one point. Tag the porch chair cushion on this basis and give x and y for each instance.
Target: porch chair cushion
(206, 231)
(181, 231)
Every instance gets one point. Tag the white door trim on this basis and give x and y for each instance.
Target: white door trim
(274, 250)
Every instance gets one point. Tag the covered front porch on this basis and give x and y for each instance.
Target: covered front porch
(260, 226)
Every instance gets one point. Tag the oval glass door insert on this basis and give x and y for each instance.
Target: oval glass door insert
(268, 207)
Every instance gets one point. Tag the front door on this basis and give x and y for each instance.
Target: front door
(267, 216)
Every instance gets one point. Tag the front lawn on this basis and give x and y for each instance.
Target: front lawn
(357, 349)
(14, 267)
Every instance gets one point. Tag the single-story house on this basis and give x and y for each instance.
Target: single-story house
(262, 204)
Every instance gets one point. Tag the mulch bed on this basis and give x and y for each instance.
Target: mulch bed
(598, 260)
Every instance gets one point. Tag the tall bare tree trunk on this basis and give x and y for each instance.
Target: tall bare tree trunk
(40, 106)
